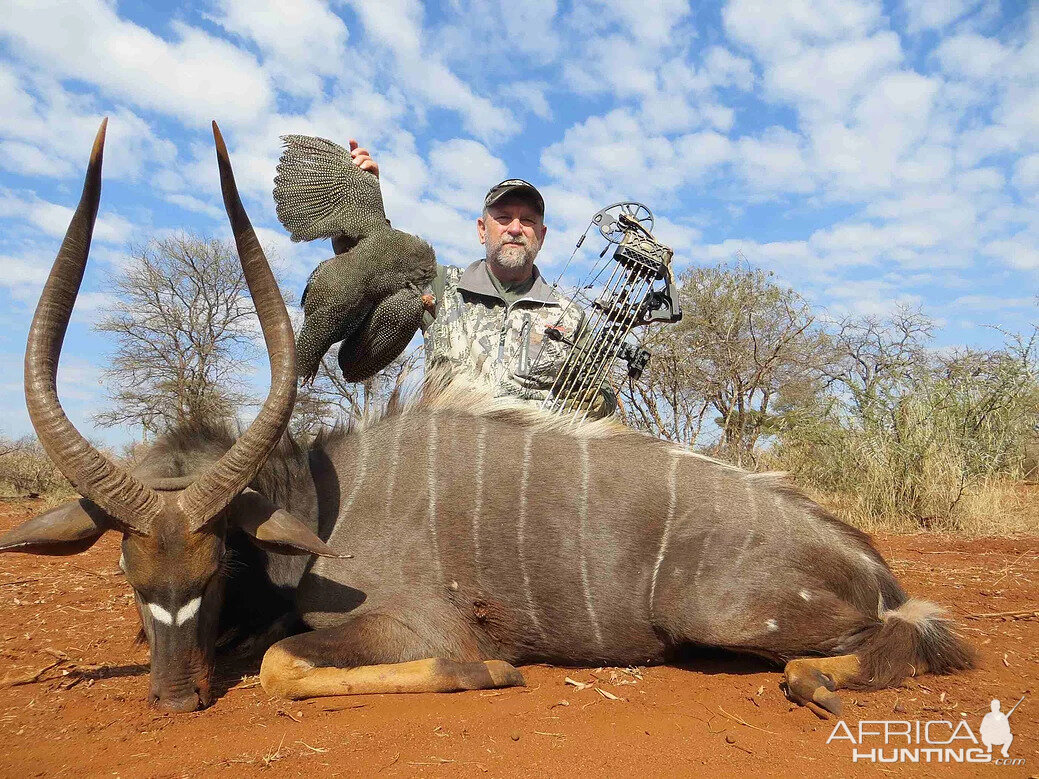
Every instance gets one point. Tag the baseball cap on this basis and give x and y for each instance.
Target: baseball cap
(517, 187)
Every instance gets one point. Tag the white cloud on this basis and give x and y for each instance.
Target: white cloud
(195, 77)
(825, 80)
(1021, 252)
(616, 154)
(787, 255)
(49, 130)
(531, 94)
(775, 162)
(935, 14)
(301, 41)
(78, 380)
(874, 306)
(979, 181)
(28, 160)
(53, 219)
(849, 294)
(294, 261)
(776, 30)
(91, 306)
(1026, 174)
(192, 203)
(651, 23)
(990, 303)
(497, 35)
(23, 277)
(464, 170)
(398, 25)
(613, 64)
(973, 57)
(723, 68)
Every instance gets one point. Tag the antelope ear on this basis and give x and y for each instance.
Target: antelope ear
(275, 529)
(67, 529)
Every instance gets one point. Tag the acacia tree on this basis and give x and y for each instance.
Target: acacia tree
(183, 324)
(875, 359)
(745, 345)
(664, 401)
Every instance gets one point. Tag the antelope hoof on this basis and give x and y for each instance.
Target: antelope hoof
(808, 686)
(504, 674)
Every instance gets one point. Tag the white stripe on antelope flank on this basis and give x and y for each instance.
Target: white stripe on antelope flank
(188, 610)
(478, 497)
(582, 508)
(159, 614)
(359, 474)
(672, 499)
(703, 557)
(431, 489)
(391, 477)
(521, 521)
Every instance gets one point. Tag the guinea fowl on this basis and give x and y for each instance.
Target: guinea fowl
(368, 296)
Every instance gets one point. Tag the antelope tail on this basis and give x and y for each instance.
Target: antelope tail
(914, 638)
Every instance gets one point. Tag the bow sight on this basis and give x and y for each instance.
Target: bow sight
(639, 291)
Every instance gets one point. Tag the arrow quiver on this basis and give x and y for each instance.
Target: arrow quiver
(639, 291)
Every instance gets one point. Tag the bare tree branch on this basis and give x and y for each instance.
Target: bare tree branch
(184, 331)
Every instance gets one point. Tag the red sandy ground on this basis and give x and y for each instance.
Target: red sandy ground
(719, 715)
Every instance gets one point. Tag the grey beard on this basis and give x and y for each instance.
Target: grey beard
(512, 258)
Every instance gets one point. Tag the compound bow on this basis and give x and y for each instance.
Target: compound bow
(638, 292)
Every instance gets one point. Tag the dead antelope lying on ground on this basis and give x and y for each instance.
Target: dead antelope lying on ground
(484, 535)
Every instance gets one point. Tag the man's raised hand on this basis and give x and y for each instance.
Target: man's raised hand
(362, 159)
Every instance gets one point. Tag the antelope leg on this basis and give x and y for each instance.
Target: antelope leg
(814, 681)
(287, 676)
(375, 654)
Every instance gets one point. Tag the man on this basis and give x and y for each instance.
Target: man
(490, 318)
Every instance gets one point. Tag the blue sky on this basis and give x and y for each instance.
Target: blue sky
(871, 154)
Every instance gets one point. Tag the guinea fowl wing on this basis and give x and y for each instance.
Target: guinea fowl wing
(320, 193)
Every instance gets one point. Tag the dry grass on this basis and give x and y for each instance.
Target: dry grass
(26, 470)
(995, 507)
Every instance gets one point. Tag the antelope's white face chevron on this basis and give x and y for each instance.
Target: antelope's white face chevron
(159, 614)
(186, 612)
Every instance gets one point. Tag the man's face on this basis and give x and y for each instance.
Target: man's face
(513, 231)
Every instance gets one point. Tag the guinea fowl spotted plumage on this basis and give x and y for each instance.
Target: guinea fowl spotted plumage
(370, 296)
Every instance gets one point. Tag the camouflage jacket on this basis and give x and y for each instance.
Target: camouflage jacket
(476, 333)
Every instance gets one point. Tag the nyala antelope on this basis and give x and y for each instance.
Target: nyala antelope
(437, 548)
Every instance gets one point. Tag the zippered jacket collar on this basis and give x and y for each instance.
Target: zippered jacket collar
(475, 279)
